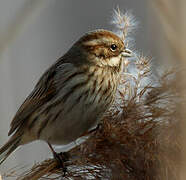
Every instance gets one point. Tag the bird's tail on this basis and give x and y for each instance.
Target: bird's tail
(9, 147)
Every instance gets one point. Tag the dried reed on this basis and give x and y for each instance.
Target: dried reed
(171, 15)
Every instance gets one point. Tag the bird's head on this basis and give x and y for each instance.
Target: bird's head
(103, 48)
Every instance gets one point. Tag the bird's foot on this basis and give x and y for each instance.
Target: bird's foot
(61, 158)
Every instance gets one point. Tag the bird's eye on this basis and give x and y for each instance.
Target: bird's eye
(113, 47)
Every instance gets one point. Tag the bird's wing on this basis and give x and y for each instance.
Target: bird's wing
(42, 93)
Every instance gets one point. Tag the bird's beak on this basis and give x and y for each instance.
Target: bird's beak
(126, 53)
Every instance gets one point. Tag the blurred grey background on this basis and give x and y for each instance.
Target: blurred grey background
(34, 33)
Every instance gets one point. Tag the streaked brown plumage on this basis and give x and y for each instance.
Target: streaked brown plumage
(72, 95)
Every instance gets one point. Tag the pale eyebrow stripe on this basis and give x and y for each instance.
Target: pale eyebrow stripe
(94, 42)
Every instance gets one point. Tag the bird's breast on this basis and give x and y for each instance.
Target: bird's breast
(84, 97)
(90, 90)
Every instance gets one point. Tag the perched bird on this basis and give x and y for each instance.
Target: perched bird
(72, 95)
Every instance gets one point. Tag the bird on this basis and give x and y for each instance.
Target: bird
(72, 95)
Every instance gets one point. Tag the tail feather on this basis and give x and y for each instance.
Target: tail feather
(9, 147)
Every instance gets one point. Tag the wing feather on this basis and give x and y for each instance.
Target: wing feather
(42, 93)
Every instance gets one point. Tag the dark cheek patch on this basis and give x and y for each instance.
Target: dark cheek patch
(101, 51)
(98, 50)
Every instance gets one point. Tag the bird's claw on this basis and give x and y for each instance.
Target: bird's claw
(61, 158)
